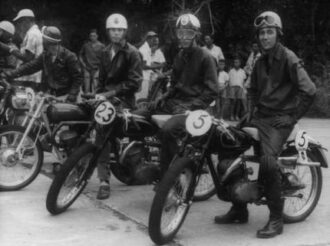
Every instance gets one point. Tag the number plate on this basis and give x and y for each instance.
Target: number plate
(198, 122)
(30, 96)
(105, 113)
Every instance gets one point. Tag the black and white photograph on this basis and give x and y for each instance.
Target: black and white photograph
(153, 122)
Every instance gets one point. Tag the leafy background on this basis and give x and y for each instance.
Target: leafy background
(306, 26)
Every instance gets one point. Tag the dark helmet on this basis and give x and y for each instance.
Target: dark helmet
(51, 34)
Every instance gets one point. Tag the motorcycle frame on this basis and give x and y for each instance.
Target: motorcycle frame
(39, 115)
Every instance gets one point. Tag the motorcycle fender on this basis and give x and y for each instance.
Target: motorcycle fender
(318, 151)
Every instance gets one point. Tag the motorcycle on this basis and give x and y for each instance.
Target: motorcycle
(49, 126)
(117, 123)
(300, 164)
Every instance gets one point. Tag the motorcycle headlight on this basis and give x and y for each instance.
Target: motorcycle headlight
(20, 101)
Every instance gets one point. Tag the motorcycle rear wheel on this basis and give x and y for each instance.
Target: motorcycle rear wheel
(70, 180)
(174, 193)
(16, 174)
(307, 198)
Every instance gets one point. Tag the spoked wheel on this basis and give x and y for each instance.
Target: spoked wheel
(300, 203)
(71, 179)
(172, 201)
(18, 171)
(205, 188)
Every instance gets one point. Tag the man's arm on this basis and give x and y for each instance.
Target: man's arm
(306, 88)
(75, 72)
(28, 68)
(210, 81)
(134, 76)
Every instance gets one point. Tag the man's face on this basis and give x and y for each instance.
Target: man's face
(116, 35)
(185, 37)
(93, 36)
(50, 48)
(208, 40)
(268, 37)
(221, 66)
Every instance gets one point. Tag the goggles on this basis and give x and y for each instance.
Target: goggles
(266, 19)
(185, 33)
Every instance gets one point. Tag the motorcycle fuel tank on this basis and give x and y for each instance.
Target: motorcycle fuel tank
(141, 128)
(66, 112)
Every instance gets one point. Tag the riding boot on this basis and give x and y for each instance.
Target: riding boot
(273, 185)
(238, 213)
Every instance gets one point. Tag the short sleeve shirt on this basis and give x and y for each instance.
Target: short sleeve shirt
(237, 77)
(223, 77)
(33, 43)
(216, 52)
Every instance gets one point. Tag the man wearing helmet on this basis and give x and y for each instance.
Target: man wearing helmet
(61, 70)
(280, 94)
(193, 86)
(7, 31)
(120, 76)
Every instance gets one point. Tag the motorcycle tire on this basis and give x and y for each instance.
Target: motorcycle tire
(171, 184)
(54, 204)
(123, 174)
(313, 197)
(35, 168)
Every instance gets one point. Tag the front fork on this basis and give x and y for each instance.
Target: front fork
(19, 148)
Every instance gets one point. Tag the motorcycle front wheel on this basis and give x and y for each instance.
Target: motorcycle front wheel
(70, 180)
(172, 201)
(17, 172)
(300, 203)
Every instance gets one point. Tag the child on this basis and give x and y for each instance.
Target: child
(223, 79)
(235, 91)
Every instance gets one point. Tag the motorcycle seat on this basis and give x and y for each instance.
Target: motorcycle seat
(253, 132)
(160, 119)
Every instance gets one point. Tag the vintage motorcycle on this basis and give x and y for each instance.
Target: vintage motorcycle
(48, 126)
(300, 162)
(117, 123)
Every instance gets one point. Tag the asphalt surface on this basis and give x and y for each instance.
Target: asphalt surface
(123, 219)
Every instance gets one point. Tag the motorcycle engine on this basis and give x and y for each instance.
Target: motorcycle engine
(139, 159)
(237, 187)
(67, 138)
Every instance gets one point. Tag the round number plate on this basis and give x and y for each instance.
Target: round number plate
(198, 122)
(105, 113)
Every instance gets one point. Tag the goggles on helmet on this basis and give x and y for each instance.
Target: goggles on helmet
(185, 33)
(266, 19)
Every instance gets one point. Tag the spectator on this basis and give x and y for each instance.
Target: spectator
(145, 50)
(223, 80)
(215, 50)
(235, 90)
(89, 58)
(31, 46)
(157, 59)
(255, 54)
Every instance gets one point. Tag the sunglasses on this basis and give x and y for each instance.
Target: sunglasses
(185, 34)
(268, 20)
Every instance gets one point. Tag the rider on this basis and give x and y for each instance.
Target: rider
(120, 76)
(61, 70)
(7, 31)
(280, 94)
(193, 86)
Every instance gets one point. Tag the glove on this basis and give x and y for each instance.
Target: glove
(71, 98)
(283, 121)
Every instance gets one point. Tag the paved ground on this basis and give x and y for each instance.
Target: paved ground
(122, 219)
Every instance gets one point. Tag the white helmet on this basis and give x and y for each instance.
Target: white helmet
(268, 19)
(116, 21)
(8, 27)
(188, 21)
(24, 13)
